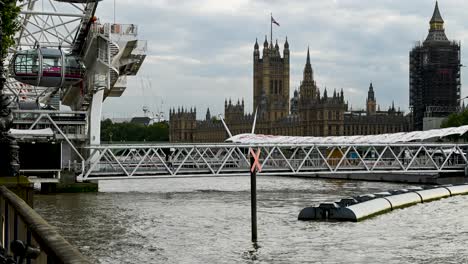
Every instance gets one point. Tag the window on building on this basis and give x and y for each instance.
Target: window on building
(280, 87)
(271, 86)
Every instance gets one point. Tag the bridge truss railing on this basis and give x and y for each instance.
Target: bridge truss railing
(67, 124)
(191, 160)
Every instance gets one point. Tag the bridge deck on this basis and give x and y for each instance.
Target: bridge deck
(201, 160)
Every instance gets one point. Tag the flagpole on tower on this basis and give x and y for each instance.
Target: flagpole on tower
(271, 28)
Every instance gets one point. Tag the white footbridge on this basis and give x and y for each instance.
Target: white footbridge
(401, 153)
(229, 159)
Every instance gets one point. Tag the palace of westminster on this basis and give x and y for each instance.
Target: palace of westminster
(312, 112)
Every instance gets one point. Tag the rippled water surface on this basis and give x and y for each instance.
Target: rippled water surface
(207, 220)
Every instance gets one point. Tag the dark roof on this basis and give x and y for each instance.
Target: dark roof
(144, 120)
(436, 35)
(436, 17)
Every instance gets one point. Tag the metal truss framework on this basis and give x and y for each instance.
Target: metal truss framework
(49, 23)
(221, 160)
(68, 126)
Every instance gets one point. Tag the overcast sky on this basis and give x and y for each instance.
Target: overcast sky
(200, 51)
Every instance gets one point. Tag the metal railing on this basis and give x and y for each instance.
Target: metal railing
(21, 222)
(205, 160)
(71, 123)
(115, 29)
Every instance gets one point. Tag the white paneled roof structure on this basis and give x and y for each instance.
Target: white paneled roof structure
(402, 137)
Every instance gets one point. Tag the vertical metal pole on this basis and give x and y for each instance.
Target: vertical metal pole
(271, 28)
(253, 199)
(114, 12)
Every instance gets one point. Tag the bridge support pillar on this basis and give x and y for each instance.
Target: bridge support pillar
(68, 184)
(95, 122)
(47, 188)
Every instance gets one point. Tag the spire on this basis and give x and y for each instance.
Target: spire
(276, 45)
(370, 93)
(265, 43)
(286, 44)
(436, 17)
(308, 72)
(436, 30)
(256, 44)
(208, 114)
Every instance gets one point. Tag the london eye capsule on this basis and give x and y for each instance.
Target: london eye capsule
(46, 67)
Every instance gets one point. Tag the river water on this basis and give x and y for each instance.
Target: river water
(207, 220)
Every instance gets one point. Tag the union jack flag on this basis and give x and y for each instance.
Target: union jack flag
(274, 21)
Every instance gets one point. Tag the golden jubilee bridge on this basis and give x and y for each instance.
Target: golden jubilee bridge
(410, 153)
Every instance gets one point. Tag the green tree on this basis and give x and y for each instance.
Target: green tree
(157, 132)
(106, 130)
(10, 24)
(456, 120)
(127, 132)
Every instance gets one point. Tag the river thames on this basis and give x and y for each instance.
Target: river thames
(207, 220)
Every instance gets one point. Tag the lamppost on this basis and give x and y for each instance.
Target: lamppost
(459, 102)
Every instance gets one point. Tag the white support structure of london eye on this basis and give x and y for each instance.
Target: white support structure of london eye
(64, 56)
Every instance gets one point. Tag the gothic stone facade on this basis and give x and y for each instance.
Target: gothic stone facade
(308, 113)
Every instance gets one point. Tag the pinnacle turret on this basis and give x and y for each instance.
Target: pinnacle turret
(370, 93)
(436, 17)
(208, 114)
(436, 30)
(308, 72)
